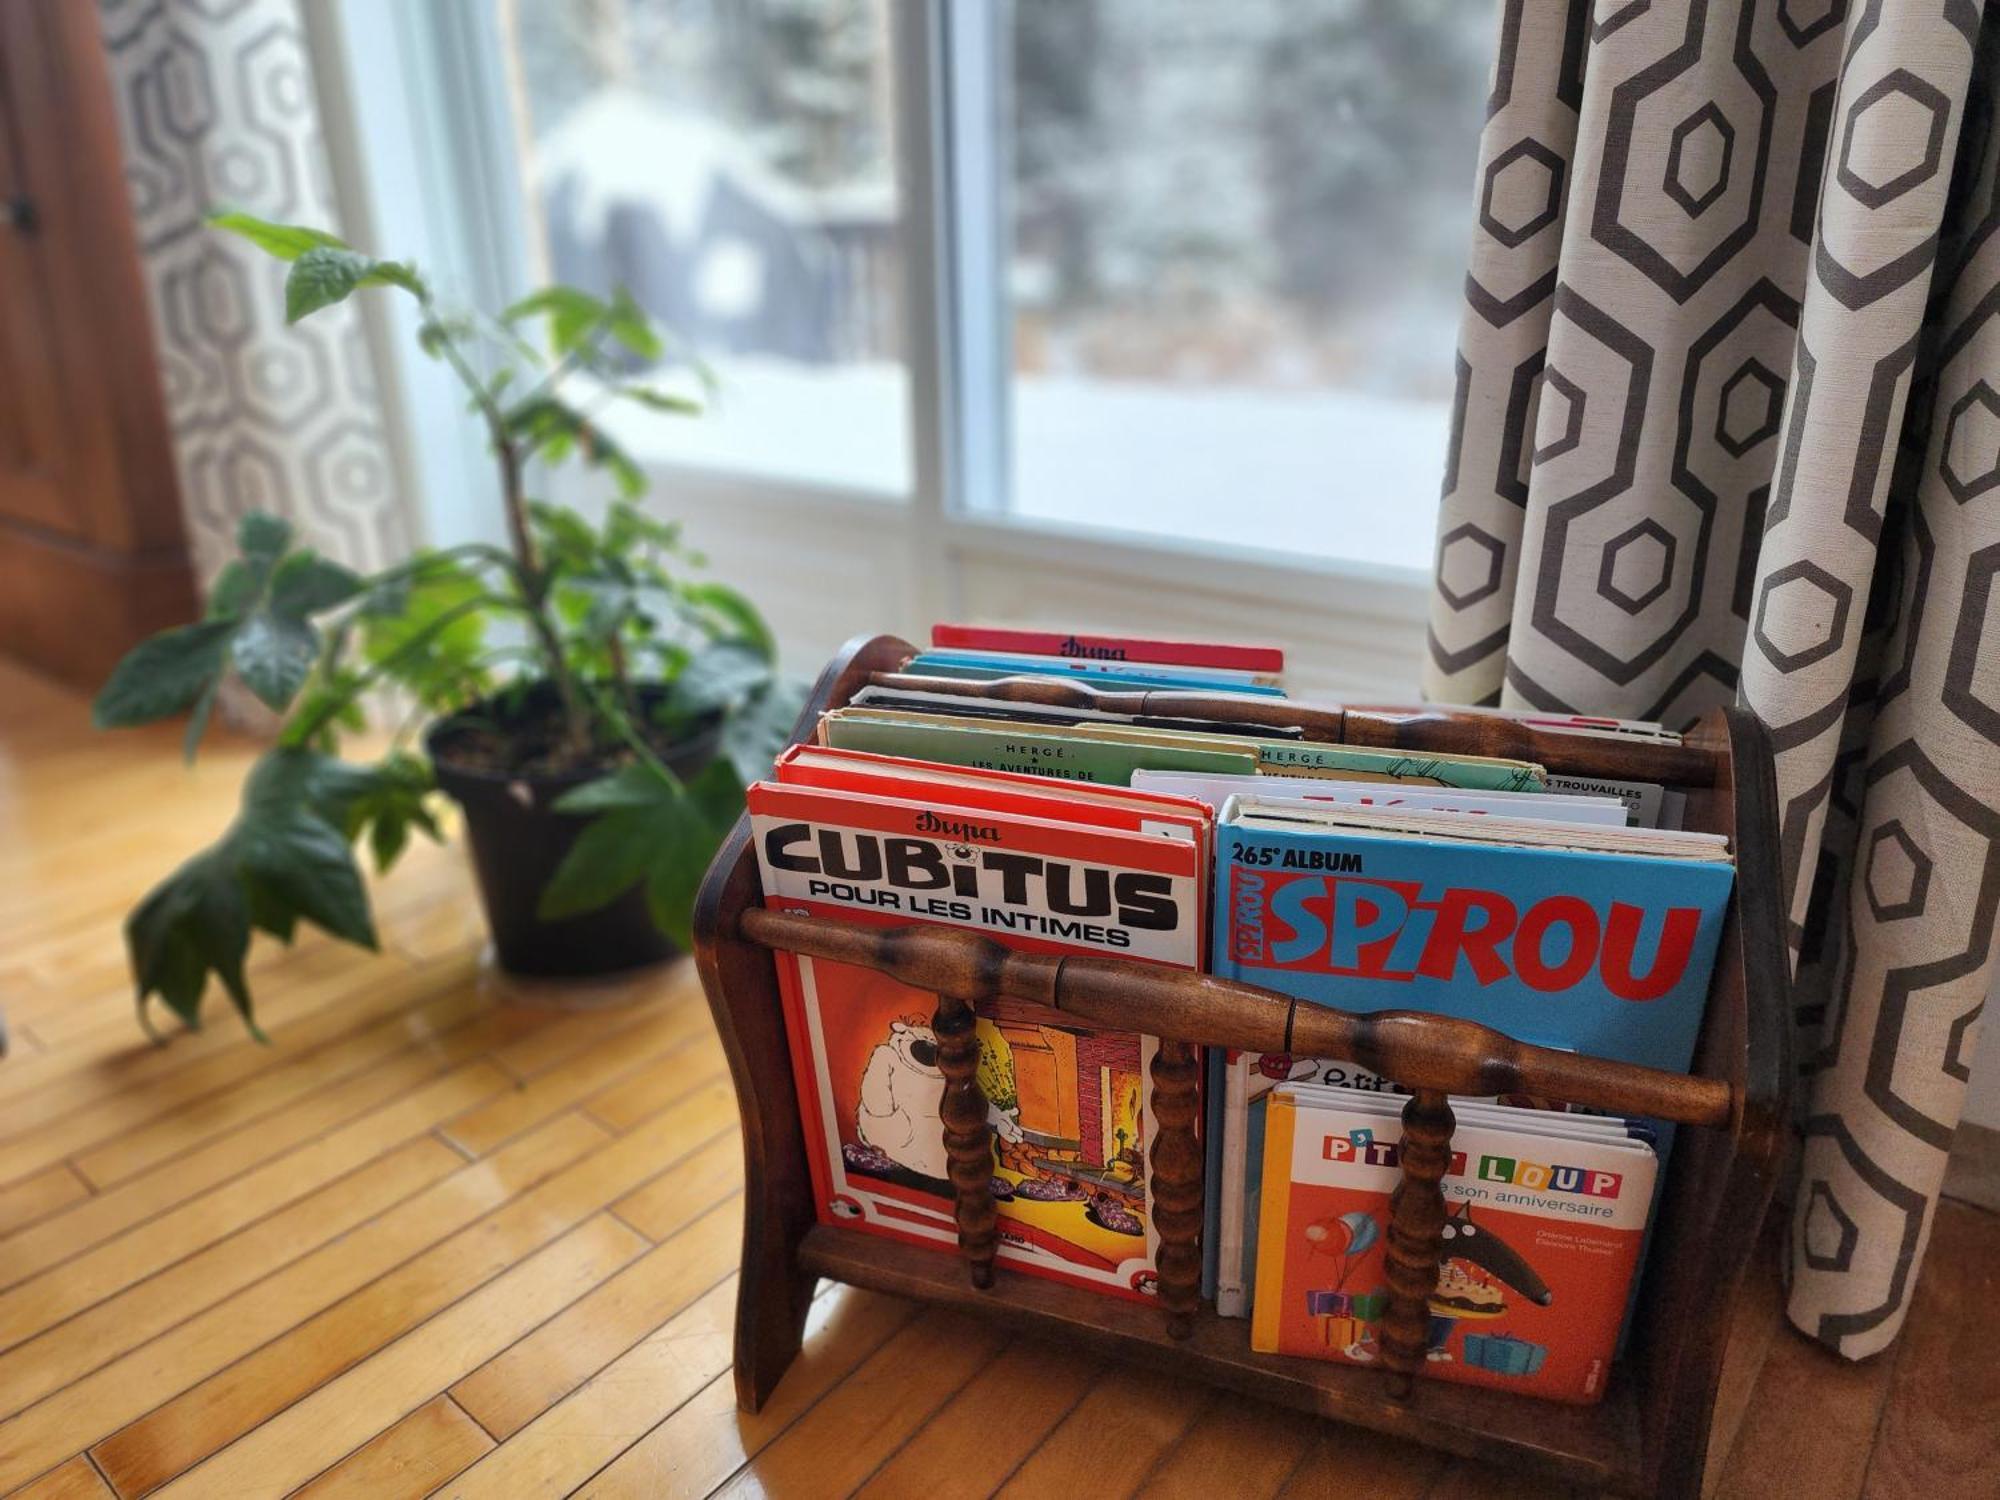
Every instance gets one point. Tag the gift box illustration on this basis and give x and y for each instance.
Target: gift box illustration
(1503, 1354)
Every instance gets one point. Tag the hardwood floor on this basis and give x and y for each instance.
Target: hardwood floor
(437, 1239)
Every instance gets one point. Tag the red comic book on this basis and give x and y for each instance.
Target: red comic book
(1263, 660)
(1127, 808)
(1070, 1106)
(1545, 1224)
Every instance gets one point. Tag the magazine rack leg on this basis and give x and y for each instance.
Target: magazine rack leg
(1176, 1172)
(1416, 1236)
(968, 1140)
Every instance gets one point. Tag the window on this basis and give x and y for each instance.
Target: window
(1238, 233)
(731, 163)
(1143, 311)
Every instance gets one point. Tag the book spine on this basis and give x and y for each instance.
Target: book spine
(1213, 1083)
(1261, 659)
(1274, 1224)
(1232, 1296)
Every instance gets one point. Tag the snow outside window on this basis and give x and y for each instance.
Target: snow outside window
(1231, 239)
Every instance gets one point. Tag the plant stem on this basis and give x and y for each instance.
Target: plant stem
(615, 717)
(530, 577)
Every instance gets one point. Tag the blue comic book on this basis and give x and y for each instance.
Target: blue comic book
(1605, 951)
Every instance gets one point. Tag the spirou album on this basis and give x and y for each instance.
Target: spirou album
(1070, 1106)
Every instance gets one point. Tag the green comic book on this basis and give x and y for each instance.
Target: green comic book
(1030, 749)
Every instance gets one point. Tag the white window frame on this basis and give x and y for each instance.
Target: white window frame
(391, 73)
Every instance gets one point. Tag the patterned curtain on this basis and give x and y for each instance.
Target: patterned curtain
(217, 108)
(1727, 427)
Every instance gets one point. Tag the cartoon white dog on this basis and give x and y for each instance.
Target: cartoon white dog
(900, 1092)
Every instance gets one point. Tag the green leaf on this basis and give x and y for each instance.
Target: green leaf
(627, 322)
(572, 315)
(391, 804)
(636, 785)
(285, 241)
(320, 278)
(565, 538)
(753, 736)
(162, 675)
(197, 724)
(235, 590)
(328, 274)
(651, 828)
(195, 921)
(285, 859)
(609, 857)
(627, 527)
(440, 661)
(273, 654)
(676, 874)
(304, 866)
(306, 583)
(262, 539)
(659, 400)
(720, 677)
(742, 618)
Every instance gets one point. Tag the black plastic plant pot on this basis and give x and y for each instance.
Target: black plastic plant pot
(518, 839)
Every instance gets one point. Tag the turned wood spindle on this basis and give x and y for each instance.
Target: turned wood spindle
(968, 1140)
(1176, 1181)
(1416, 1236)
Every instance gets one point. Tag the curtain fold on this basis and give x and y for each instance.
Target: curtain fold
(217, 108)
(1727, 427)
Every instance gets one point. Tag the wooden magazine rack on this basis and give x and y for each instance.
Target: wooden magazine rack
(1648, 1436)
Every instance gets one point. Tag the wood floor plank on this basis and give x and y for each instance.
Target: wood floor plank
(75, 1480)
(234, 1400)
(153, 1192)
(630, 1001)
(625, 1103)
(1812, 1418)
(410, 1459)
(126, 1155)
(1940, 1430)
(577, 1436)
(73, 1285)
(983, 1433)
(1344, 1462)
(230, 1087)
(183, 1366)
(850, 1431)
(1237, 1447)
(653, 1209)
(34, 1197)
(1754, 1320)
(681, 1031)
(1467, 1479)
(707, 1439)
(106, 1051)
(311, 1001)
(99, 1334)
(510, 1391)
(1117, 1434)
(312, 1434)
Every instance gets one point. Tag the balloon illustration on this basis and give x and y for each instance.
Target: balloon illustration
(1362, 1229)
(1345, 1239)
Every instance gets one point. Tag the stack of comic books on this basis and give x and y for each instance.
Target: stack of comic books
(1547, 1214)
(1566, 911)
(1041, 866)
(1578, 935)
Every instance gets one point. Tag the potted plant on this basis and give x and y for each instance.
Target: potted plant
(592, 703)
